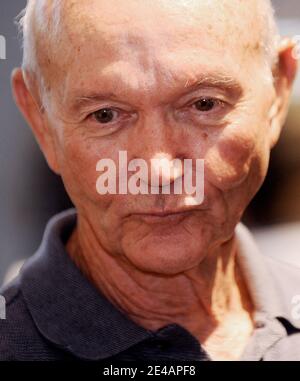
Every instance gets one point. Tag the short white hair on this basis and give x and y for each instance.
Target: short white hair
(269, 39)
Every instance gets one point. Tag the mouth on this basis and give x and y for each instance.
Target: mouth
(166, 217)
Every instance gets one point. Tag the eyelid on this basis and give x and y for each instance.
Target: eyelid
(205, 92)
(96, 108)
(122, 113)
(93, 115)
(184, 104)
(214, 116)
(105, 108)
(218, 102)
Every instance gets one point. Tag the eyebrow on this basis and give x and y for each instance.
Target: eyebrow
(220, 81)
(226, 83)
(93, 97)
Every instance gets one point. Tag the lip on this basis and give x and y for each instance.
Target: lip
(163, 217)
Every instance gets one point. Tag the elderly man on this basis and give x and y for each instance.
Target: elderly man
(150, 276)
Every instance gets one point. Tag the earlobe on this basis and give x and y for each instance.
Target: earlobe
(32, 113)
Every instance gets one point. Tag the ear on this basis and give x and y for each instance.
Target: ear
(284, 75)
(35, 117)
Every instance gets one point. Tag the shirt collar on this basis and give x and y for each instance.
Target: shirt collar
(268, 301)
(66, 308)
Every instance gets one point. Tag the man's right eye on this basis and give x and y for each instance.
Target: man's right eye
(105, 115)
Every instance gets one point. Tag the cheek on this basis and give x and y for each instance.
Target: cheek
(229, 161)
(78, 160)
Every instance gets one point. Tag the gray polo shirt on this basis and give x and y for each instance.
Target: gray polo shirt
(54, 313)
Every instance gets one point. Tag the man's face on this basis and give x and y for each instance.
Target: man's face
(150, 62)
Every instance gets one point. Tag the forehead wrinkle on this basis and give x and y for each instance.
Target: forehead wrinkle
(123, 93)
(157, 66)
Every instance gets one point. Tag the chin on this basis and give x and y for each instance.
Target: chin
(167, 255)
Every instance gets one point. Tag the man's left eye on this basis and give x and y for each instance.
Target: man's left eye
(206, 104)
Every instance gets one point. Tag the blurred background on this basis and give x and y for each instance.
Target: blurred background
(30, 193)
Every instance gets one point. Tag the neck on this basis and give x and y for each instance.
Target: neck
(207, 299)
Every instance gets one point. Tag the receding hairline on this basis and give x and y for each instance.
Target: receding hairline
(27, 26)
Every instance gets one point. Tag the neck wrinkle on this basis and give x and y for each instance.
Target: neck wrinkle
(200, 299)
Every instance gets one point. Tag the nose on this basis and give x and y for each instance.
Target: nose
(160, 145)
(165, 169)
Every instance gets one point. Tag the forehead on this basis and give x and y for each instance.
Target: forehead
(99, 38)
(110, 14)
